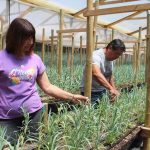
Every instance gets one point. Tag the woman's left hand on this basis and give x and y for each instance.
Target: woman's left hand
(80, 99)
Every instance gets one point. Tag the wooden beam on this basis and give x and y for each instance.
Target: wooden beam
(115, 2)
(25, 12)
(115, 10)
(102, 3)
(136, 31)
(47, 41)
(132, 47)
(67, 22)
(45, 4)
(137, 18)
(124, 18)
(64, 36)
(72, 30)
(123, 41)
(80, 12)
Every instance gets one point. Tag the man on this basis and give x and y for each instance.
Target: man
(102, 66)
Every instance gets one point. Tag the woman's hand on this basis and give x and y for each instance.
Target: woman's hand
(79, 99)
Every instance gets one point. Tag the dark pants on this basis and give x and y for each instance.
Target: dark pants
(96, 96)
(16, 127)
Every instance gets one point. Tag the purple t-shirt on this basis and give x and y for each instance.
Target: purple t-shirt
(18, 84)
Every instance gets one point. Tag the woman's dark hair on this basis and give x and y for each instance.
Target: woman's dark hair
(18, 32)
(116, 45)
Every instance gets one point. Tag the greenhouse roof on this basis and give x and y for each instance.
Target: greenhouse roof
(45, 14)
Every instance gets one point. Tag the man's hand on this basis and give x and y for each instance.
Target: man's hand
(113, 94)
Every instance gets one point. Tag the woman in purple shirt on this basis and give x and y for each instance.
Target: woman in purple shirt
(20, 70)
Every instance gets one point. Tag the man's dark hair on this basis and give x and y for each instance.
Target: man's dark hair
(19, 31)
(116, 45)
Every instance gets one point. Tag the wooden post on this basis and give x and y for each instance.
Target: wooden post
(45, 119)
(144, 56)
(72, 56)
(1, 35)
(60, 45)
(81, 49)
(43, 45)
(126, 59)
(96, 42)
(135, 70)
(138, 49)
(112, 35)
(95, 24)
(147, 77)
(88, 69)
(52, 48)
(57, 53)
(121, 59)
(134, 59)
(69, 58)
(105, 34)
(118, 63)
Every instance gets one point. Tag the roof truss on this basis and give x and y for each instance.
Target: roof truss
(125, 18)
(103, 3)
(136, 31)
(137, 18)
(115, 10)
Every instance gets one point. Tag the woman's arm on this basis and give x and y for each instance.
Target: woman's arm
(56, 92)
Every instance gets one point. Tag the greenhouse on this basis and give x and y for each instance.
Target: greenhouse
(74, 75)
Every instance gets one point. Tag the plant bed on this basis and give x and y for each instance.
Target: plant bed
(89, 128)
(126, 141)
(54, 104)
(129, 87)
(27, 146)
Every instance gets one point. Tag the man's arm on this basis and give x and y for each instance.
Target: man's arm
(112, 83)
(97, 74)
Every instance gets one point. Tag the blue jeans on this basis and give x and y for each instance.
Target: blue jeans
(13, 126)
(96, 96)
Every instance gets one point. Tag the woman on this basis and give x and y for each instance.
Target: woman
(20, 69)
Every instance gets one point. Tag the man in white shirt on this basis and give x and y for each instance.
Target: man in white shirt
(102, 66)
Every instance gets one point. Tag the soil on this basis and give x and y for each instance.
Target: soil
(128, 141)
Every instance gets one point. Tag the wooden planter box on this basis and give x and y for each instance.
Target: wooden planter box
(126, 142)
